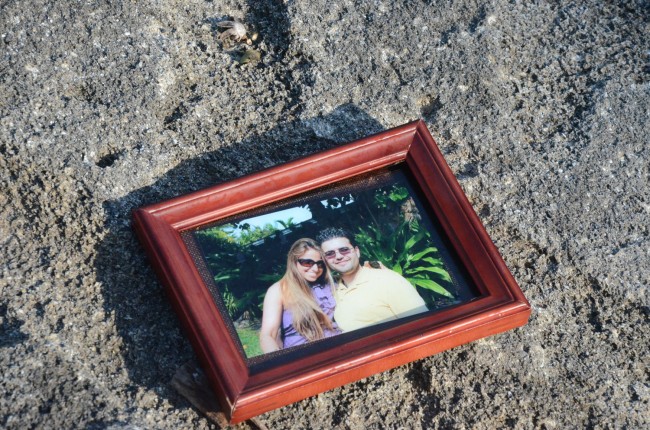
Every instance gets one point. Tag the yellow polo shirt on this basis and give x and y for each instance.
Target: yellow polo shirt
(373, 297)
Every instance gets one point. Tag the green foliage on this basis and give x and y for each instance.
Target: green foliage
(219, 233)
(250, 234)
(241, 265)
(286, 224)
(226, 280)
(406, 249)
(384, 199)
(230, 301)
(230, 261)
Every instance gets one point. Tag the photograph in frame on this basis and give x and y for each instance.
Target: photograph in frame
(405, 266)
(402, 176)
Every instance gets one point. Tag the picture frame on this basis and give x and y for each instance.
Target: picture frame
(245, 386)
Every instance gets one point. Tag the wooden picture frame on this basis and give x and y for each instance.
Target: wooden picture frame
(247, 388)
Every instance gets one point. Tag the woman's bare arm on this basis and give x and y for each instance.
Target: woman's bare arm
(271, 319)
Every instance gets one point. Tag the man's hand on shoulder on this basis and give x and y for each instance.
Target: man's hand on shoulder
(374, 265)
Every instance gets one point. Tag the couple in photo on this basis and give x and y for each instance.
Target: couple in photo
(308, 304)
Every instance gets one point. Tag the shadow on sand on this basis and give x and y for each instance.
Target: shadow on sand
(154, 346)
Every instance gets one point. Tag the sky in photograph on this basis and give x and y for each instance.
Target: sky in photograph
(299, 214)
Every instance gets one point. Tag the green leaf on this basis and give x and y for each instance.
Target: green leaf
(397, 268)
(419, 255)
(411, 242)
(433, 261)
(398, 194)
(442, 272)
(271, 277)
(433, 286)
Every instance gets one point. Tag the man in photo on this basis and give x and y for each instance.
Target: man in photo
(365, 296)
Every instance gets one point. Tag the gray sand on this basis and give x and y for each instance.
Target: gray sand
(541, 110)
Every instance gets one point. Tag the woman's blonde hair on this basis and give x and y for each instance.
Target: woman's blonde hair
(308, 317)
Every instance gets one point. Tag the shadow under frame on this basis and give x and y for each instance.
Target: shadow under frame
(244, 392)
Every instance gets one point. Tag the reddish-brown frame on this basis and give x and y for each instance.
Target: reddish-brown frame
(243, 393)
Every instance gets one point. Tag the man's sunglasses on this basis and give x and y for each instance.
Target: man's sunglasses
(306, 262)
(343, 251)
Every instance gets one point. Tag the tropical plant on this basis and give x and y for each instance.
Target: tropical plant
(221, 233)
(286, 224)
(250, 234)
(394, 194)
(224, 279)
(229, 301)
(226, 257)
(407, 250)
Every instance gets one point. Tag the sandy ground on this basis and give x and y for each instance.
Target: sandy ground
(542, 111)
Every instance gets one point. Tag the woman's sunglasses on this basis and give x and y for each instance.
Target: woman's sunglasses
(343, 251)
(306, 262)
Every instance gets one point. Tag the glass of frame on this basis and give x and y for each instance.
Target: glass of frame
(328, 269)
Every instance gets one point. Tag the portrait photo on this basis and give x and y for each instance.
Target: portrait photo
(360, 254)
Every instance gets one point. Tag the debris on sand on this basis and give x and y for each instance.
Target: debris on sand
(235, 32)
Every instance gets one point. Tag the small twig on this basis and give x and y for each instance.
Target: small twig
(191, 383)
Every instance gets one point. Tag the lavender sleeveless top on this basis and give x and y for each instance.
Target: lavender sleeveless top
(323, 295)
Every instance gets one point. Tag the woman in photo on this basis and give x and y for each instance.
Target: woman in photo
(299, 308)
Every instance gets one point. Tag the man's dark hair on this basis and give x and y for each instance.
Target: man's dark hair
(330, 233)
